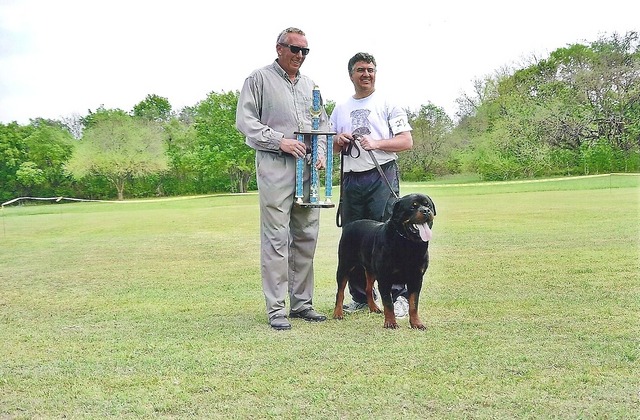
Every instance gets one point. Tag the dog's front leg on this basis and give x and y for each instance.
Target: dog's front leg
(390, 318)
(414, 318)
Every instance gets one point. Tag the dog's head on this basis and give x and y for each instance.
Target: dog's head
(413, 216)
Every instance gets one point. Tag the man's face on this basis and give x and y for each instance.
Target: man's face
(363, 76)
(289, 61)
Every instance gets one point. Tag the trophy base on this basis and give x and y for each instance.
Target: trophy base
(319, 204)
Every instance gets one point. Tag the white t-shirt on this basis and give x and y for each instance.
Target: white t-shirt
(375, 116)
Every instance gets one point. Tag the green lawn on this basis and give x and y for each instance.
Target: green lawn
(148, 309)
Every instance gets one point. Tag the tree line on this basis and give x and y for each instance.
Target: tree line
(574, 112)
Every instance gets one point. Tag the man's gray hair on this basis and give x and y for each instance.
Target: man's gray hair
(290, 30)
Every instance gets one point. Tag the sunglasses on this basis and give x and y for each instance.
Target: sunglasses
(294, 49)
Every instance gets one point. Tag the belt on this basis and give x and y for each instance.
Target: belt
(273, 152)
(280, 153)
(384, 166)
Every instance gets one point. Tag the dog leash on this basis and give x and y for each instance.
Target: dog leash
(349, 151)
(357, 137)
(339, 210)
(382, 174)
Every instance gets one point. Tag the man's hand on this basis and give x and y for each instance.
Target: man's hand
(367, 143)
(293, 147)
(343, 139)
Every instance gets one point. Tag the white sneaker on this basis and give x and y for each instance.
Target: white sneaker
(401, 307)
(354, 307)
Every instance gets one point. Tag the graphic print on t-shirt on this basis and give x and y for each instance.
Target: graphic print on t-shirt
(360, 121)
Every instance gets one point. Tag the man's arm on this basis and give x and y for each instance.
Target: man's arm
(398, 143)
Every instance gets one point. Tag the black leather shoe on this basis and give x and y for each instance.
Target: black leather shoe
(280, 322)
(308, 314)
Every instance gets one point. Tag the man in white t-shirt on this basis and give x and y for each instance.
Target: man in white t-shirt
(369, 126)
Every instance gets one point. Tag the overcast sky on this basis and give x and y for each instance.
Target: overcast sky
(65, 57)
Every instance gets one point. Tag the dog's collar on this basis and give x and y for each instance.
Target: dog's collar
(401, 234)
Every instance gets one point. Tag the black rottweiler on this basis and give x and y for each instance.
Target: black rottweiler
(393, 252)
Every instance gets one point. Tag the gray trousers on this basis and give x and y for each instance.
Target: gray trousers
(288, 235)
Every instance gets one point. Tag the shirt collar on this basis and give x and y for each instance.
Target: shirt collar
(281, 72)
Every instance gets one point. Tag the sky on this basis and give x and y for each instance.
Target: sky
(64, 58)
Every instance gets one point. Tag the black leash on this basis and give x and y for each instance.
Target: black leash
(339, 210)
(382, 174)
(357, 137)
(349, 151)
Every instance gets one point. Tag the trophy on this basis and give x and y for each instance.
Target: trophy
(311, 137)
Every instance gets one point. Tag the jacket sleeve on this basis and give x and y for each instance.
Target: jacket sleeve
(248, 117)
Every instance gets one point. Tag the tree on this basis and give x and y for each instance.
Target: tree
(74, 124)
(12, 155)
(546, 118)
(120, 148)
(431, 129)
(154, 108)
(30, 176)
(222, 147)
(49, 147)
(182, 149)
(32, 158)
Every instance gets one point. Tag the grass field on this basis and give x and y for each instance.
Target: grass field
(154, 309)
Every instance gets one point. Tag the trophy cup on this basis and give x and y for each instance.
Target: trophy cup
(311, 137)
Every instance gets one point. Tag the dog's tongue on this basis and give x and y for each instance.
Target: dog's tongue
(425, 232)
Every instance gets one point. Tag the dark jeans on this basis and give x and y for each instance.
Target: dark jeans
(366, 195)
